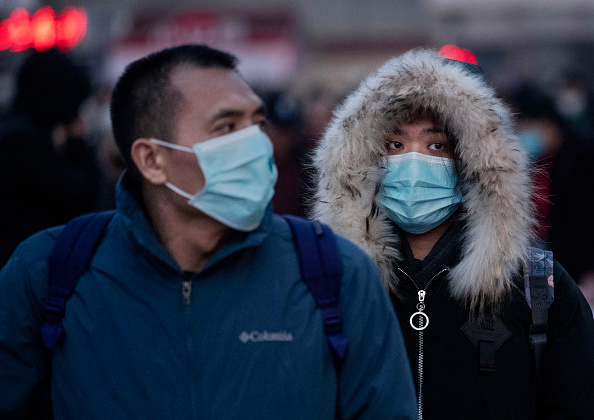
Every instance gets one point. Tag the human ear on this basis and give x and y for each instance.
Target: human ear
(149, 158)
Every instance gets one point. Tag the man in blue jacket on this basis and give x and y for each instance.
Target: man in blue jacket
(193, 305)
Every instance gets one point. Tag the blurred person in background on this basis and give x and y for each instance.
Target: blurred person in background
(541, 131)
(572, 186)
(284, 127)
(562, 151)
(96, 117)
(47, 173)
(423, 169)
(573, 101)
(194, 305)
(318, 106)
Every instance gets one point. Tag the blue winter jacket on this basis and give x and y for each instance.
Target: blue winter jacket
(241, 339)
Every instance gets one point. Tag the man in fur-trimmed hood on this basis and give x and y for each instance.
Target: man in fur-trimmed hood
(454, 261)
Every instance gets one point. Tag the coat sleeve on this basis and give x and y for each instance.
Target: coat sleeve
(375, 380)
(567, 371)
(24, 390)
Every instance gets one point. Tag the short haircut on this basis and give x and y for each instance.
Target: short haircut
(144, 102)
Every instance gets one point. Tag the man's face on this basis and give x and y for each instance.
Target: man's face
(217, 102)
(422, 136)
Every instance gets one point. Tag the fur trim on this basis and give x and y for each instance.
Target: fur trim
(494, 177)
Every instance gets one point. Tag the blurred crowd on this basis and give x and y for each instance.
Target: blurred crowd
(58, 157)
(557, 129)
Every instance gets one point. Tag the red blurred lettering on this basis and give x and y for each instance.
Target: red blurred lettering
(19, 28)
(44, 30)
(71, 28)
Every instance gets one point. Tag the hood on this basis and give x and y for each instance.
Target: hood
(493, 171)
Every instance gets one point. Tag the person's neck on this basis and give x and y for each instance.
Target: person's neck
(421, 244)
(191, 237)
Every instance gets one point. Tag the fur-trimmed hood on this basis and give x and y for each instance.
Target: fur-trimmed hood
(493, 171)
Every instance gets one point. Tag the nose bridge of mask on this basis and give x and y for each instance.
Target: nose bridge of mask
(411, 169)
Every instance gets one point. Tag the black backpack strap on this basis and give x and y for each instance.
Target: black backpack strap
(321, 270)
(69, 259)
(539, 293)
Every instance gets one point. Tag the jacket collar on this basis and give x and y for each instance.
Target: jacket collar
(133, 217)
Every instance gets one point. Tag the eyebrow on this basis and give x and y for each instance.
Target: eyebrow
(230, 113)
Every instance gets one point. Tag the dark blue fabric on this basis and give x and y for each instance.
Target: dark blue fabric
(68, 261)
(321, 270)
(127, 316)
(319, 261)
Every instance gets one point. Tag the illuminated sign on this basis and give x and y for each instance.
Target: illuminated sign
(43, 30)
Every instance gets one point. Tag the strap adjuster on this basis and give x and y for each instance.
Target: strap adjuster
(54, 307)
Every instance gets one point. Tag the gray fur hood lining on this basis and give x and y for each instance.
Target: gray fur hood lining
(494, 176)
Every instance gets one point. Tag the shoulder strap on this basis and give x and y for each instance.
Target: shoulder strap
(321, 270)
(69, 259)
(540, 293)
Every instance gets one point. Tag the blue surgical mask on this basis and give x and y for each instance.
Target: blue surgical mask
(533, 141)
(239, 174)
(419, 191)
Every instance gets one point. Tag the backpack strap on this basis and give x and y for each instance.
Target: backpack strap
(540, 293)
(321, 270)
(69, 259)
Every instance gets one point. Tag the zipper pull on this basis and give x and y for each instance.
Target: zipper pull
(423, 320)
(421, 296)
(187, 292)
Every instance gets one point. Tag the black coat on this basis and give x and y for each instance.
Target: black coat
(40, 187)
(452, 380)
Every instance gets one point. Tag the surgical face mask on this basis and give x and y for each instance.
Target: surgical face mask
(534, 142)
(419, 191)
(239, 173)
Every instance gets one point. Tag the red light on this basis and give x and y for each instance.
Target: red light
(71, 28)
(44, 30)
(19, 30)
(5, 41)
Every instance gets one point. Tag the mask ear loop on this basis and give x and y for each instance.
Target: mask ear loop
(183, 149)
(179, 191)
(172, 146)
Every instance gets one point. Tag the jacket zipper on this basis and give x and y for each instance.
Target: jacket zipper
(186, 292)
(186, 302)
(423, 323)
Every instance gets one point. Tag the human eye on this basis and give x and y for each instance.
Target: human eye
(438, 146)
(394, 145)
(225, 127)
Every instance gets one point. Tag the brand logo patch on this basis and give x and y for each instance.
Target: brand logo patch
(264, 336)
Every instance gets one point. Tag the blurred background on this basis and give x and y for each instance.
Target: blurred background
(302, 45)
(303, 57)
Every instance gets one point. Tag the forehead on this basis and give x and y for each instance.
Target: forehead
(421, 122)
(207, 90)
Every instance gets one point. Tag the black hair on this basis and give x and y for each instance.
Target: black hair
(50, 88)
(532, 102)
(145, 104)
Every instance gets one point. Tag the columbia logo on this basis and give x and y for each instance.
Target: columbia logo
(258, 337)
